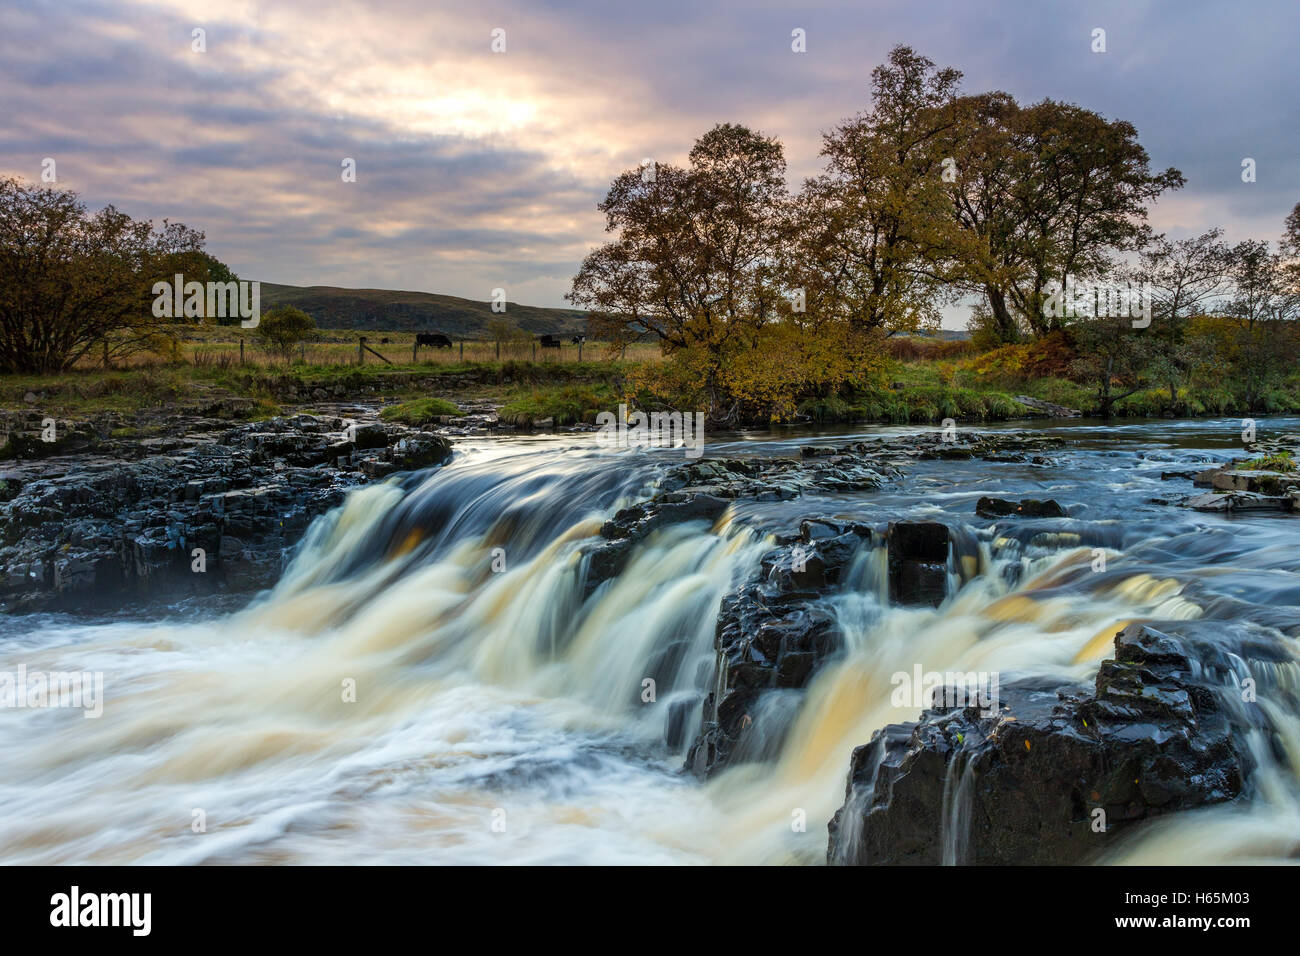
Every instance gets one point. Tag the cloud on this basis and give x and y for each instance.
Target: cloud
(477, 170)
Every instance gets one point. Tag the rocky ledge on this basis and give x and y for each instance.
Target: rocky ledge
(1241, 486)
(773, 631)
(1058, 772)
(1055, 773)
(207, 508)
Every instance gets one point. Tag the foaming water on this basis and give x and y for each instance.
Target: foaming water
(409, 711)
(1038, 627)
(432, 682)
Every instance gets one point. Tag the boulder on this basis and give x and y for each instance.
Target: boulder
(1271, 483)
(1240, 501)
(988, 507)
(1053, 775)
(918, 562)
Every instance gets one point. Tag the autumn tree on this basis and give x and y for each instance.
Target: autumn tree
(1261, 288)
(1187, 278)
(695, 259)
(1042, 193)
(72, 282)
(1290, 247)
(1291, 233)
(1264, 305)
(1114, 357)
(869, 231)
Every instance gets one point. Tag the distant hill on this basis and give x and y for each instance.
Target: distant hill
(943, 335)
(388, 310)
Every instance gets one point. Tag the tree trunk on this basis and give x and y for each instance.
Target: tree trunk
(1006, 322)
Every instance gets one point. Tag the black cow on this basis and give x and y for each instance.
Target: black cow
(383, 341)
(550, 341)
(578, 339)
(435, 339)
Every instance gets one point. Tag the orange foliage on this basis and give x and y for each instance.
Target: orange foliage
(1048, 357)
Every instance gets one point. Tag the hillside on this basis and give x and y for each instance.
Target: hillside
(386, 309)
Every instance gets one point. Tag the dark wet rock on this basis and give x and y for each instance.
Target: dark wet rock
(918, 562)
(212, 508)
(704, 489)
(988, 507)
(370, 435)
(420, 451)
(773, 633)
(1158, 732)
(640, 520)
(603, 562)
(815, 529)
(1004, 447)
(606, 558)
(32, 435)
(814, 565)
(765, 647)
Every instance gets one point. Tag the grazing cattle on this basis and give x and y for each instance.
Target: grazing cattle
(383, 341)
(578, 339)
(435, 339)
(550, 341)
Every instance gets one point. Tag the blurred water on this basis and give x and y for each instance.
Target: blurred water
(500, 718)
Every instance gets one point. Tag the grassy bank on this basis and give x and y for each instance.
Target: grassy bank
(269, 389)
(916, 389)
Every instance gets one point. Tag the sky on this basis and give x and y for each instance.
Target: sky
(478, 170)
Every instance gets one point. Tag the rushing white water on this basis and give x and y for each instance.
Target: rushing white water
(397, 698)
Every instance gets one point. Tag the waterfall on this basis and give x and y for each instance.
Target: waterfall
(958, 787)
(436, 658)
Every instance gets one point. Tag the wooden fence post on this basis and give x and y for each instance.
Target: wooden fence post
(534, 351)
(241, 351)
(462, 350)
(361, 351)
(498, 350)
(579, 350)
(415, 352)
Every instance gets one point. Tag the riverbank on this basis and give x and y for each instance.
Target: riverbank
(1008, 384)
(197, 505)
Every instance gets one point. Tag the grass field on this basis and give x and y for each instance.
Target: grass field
(925, 382)
(220, 346)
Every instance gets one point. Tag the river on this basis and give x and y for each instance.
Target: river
(426, 685)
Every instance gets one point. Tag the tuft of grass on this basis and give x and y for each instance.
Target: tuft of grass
(565, 404)
(421, 411)
(1281, 461)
